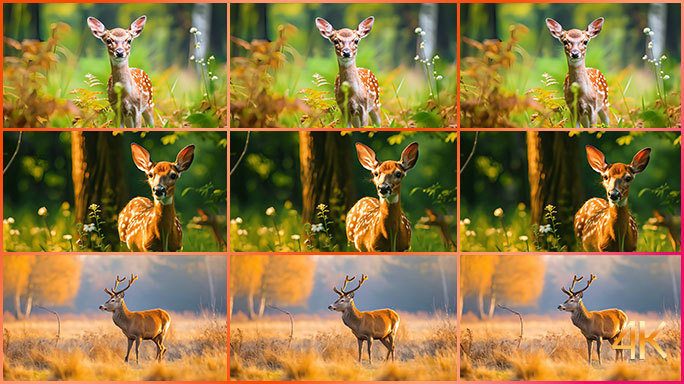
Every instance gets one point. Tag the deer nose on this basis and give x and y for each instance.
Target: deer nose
(159, 190)
(346, 52)
(102, 308)
(119, 52)
(614, 195)
(575, 54)
(385, 189)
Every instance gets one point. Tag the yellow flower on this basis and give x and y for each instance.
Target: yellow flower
(498, 212)
(42, 211)
(270, 211)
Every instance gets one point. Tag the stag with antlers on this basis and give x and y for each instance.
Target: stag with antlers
(381, 324)
(595, 325)
(152, 324)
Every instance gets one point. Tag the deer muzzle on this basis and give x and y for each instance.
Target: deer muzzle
(385, 189)
(119, 52)
(575, 54)
(102, 308)
(159, 190)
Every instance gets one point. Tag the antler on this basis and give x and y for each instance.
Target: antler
(114, 292)
(341, 292)
(591, 278)
(363, 278)
(575, 280)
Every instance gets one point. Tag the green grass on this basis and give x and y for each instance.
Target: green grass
(256, 231)
(25, 230)
(483, 232)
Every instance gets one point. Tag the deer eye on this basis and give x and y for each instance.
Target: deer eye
(586, 42)
(356, 41)
(397, 174)
(129, 41)
(173, 176)
(150, 175)
(109, 41)
(605, 177)
(375, 173)
(335, 41)
(628, 178)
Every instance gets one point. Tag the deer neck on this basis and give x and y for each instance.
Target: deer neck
(577, 73)
(390, 212)
(350, 74)
(618, 218)
(121, 73)
(165, 214)
(581, 316)
(351, 316)
(122, 316)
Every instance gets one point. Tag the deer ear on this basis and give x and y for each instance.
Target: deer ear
(137, 26)
(596, 159)
(365, 27)
(96, 27)
(351, 295)
(141, 157)
(640, 160)
(325, 28)
(554, 27)
(184, 158)
(595, 27)
(580, 295)
(410, 156)
(366, 157)
(122, 294)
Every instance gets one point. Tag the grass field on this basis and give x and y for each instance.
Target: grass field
(556, 350)
(327, 350)
(95, 350)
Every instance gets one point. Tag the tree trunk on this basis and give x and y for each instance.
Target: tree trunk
(262, 306)
(29, 306)
(232, 299)
(553, 170)
(250, 306)
(459, 306)
(98, 176)
(326, 175)
(492, 306)
(17, 305)
(480, 305)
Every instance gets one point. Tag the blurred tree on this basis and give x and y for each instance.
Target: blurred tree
(51, 280)
(553, 170)
(326, 176)
(15, 271)
(98, 176)
(288, 280)
(517, 280)
(246, 272)
(476, 279)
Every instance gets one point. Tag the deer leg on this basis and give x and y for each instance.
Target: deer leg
(604, 114)
(598, 348)
(390, 338)
(388, 344)
(159, 348)
(589, 351)
(370, 344)
(360, 341)
(128, 352)
(149, 117)
(375, 115)
(137, 348)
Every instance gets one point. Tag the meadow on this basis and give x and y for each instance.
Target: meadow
(553, 349)
(94, 350)
(513, 69)
(325, 349)
(287, 79)
(61, 81)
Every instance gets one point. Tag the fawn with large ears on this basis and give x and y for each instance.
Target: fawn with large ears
(361, 98)
(153, 226)
(606, 225)
(133, 102)
(590, 101)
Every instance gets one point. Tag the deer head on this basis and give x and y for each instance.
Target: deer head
(117, 40)
(575, 41)
(574, 300)
(345, 40)
(387, 175)
(346, 298)
(116, 297)
(162, 176)
(617, 177)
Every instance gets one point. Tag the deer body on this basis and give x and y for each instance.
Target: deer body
(362, 94)
(607, 225)
(381, 324)
(137, 326)
(594, 325)
(145, 225)
(379, 225)
(592, 89)
(135, 86)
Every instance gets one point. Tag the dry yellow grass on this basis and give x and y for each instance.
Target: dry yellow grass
(327, 350)
(95, 350)
(556, 350)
